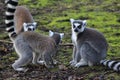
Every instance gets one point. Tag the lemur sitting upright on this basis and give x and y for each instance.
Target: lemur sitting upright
(90, 47)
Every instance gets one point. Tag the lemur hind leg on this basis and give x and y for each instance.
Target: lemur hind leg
(35, 58)
(40, 61)
(25, 56)
(89, 56)
(21, 62)
(48, 60)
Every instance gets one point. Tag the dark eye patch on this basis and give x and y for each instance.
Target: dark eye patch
(29, 29)
(73, 26)
(80, 26)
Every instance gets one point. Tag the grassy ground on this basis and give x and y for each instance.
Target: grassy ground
(103, 15)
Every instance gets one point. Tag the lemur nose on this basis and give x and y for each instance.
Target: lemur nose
(76, 30)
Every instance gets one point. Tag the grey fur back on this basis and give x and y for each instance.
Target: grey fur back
(90, 47)
(31, 46)
(92, 44)
(37, 41)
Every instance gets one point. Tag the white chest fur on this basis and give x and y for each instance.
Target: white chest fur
(74, 37)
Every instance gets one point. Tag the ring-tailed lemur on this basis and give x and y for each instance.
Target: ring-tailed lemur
(23, 19)
(90, 47)
(29, 45)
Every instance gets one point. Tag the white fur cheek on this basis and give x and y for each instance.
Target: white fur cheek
(82, 29)
(25, 29)
(74, 37)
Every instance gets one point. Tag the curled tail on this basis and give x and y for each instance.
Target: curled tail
(9, 21)
(115, 65)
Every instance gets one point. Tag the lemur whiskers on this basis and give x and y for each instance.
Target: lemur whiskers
(90, 47)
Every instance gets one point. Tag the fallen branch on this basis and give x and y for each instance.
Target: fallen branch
(66, 44)
(6, 41)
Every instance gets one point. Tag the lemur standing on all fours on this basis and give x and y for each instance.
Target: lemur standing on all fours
(90, 47)
(31, 46)
(23, 19)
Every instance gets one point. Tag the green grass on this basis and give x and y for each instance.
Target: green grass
(102, 15)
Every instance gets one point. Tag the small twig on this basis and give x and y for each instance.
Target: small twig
(6, 41)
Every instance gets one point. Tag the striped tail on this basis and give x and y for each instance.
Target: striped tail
(9, 21)
(115, 65)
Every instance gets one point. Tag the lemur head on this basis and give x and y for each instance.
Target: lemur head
(56, 36)
(29, 26)
(78, 26)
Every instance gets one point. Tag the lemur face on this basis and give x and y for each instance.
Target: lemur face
(29, 26)
(78, 25)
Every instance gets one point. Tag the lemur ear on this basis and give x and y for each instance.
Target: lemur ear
(71, 20)
(51, 33)
(35, 23)
(61, 35)
(24, 26)
(84, 22)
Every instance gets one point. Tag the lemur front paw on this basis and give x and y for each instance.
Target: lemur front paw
(77, 65)
(21, 69)
(41, 62)
(34, 62)
(17, 68)
(80, 64)
(72, 63)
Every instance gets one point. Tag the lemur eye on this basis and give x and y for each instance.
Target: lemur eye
(29, 29)
(79, 26)
(73, 26)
